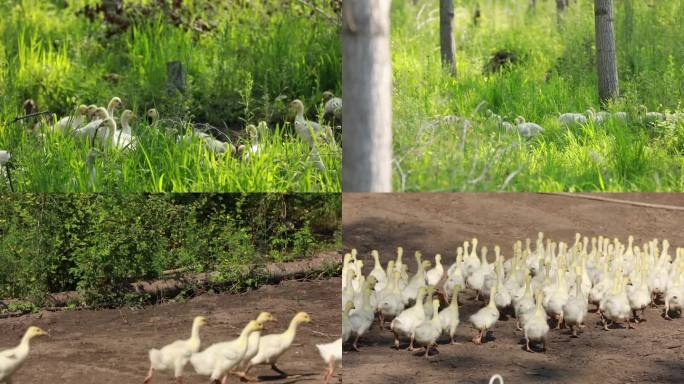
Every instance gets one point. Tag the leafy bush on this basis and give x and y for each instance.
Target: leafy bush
(98, 244)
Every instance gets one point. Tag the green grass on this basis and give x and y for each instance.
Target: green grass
(236, 72)
(555, 74)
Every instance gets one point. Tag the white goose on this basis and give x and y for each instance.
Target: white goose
(576, 307)
(485, 318)
(428, 331)
(417, 281)
(434, 275)
(527, 129)
(572, 120)
(114, 103)
(307, 130)
(378, 272)
(477, 277)
(388, 272)
(449, 316)
(217, 360)
(638, 294)
(405, 324)
(246, 151)
(557, 297)
(615, 304)
(455, 274)
(331, 353)
(536, 328)
(253, 344)
(177, 354)
(332, 110)
(361, 318)
(271, 347)
(389, 300)
(69, 123)
(674, 299)
(93, 127)
(123, 138)
(12, 359)
(470, 260)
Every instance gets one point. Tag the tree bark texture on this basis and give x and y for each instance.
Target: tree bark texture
(605, 51)
(446, 33)
(561, 5)
(175, 76)
(367, 96)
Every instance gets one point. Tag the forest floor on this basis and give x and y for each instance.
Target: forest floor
(110, 346)
(651, 353)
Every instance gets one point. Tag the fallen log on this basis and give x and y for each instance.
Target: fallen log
(13, 314)
(170, 287)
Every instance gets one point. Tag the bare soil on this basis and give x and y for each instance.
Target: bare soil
(110, 346)
(440, 222)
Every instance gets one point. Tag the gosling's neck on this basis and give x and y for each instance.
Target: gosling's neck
(246, 332)
(110, 109)
(125, 124)
(454, 300)
(26, 340)
(194, 335)
(291, 331)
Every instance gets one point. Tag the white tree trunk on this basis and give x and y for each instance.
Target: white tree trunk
(367, 96)
(605, 51)
(446, 32)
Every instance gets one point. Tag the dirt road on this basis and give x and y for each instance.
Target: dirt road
(110, 346)
(652, 353)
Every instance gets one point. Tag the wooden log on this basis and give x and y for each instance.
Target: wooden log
(171, 287)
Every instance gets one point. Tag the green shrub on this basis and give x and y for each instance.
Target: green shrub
(98, 244)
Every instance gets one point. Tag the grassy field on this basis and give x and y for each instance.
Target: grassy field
(245, 61)
(555, 73)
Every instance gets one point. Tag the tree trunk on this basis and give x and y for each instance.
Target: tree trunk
(605, 51)
(115, 15)
(446, 32)
(560, 5)
(367, 96)
(560, 9)
(175, 76)
(477, 14)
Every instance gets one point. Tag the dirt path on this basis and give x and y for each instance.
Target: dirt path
(110, 346)
(652, 353)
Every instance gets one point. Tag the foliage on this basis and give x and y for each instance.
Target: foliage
(98, 244)
(555, 73)
(237, 71)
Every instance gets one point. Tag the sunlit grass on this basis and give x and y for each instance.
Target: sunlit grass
(235, 75)
(555, 74)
